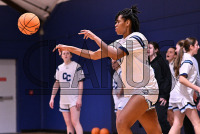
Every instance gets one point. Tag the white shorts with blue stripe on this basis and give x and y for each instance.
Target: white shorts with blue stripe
(182, 108)
(66, 107)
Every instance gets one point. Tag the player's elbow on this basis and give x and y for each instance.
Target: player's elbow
(181, 79)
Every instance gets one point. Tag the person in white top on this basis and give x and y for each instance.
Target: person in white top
(69, 77)
(140, 85)
(197, 81)
(181, 97)
(188, 128)
(170, 57)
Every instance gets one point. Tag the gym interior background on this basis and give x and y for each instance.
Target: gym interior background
(165, 22)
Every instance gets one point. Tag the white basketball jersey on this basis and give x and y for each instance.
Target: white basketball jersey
(68, 76)
(181, 91)
(137, 74)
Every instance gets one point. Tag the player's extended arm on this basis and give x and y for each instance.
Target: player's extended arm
(107, 50)
(185, 82)
(94, 55)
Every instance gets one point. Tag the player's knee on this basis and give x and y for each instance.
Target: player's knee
(196, 123)
(122, 123)
(69, 124)
(178, 125)
(75, 122)
(170, 121)
(119, 123)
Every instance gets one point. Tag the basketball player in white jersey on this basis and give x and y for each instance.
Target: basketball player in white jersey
(140, 85)
(181, 97)
(188, 127)
(69, 77)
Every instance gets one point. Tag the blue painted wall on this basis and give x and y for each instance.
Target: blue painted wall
(163, 21)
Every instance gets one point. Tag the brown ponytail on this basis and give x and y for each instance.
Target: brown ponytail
(177, 63)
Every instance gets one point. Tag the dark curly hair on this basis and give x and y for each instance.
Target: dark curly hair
(130, 14)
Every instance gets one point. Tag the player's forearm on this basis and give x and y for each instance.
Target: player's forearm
(98, 41)
(108, 51)
(80, 89)
(55, 90)
(102, 45)
(185, 82)
(83, 53)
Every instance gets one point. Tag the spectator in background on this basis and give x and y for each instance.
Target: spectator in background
(163, 77)
(170, 57)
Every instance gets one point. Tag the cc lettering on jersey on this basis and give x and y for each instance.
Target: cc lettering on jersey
(66, 77)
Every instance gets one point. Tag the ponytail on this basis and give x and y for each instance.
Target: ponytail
(177, 63)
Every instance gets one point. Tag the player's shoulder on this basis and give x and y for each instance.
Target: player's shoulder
(137, 34)
(76, 66)
(60, 66)
(74, 63)
(187, 56)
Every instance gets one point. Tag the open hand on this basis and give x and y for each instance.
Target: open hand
(88, 34)
(60, 48)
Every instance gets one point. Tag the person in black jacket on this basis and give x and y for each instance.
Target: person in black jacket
(163, 77)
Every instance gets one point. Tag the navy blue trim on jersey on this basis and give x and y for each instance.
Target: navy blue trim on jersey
(81, 79)
(120, 108)
(184, 74)
(139, 40)
(124, 49)
(187, 61)
(120, 73)
(78, 69)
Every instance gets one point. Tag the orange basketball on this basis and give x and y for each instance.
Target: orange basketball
(28, 23)
(95, 130)
(104, 131)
